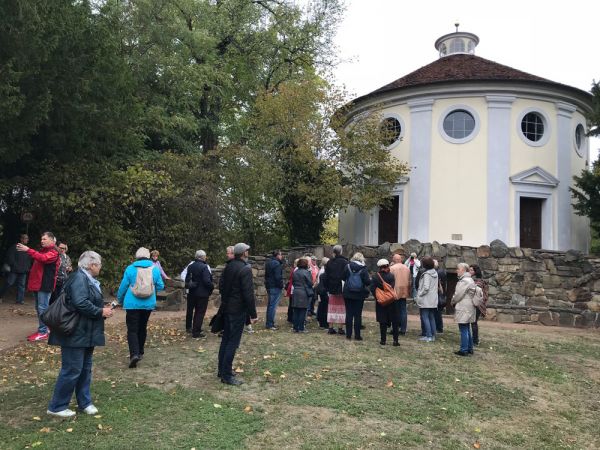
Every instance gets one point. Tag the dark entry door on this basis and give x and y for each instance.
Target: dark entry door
(388, 221)
(531, 222)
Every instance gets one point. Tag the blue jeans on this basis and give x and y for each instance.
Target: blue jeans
(232, 336)
(466, 339)
(428, 320)
(298, 318)
(403, 315)
(274, 297)
(75, 375)
(42, 299)
(18, 278)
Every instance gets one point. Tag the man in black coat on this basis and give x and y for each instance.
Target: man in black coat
(335, 271)
(20, 264)
(199, 282)
(273, 285)
(237, 302)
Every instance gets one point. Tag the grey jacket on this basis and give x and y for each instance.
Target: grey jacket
(427, 294)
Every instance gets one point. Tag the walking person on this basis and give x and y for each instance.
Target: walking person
(76, 350)
(481, 309)
(199, 282)
(303, 293)
(19, 264)
(321, 291)
(427, 298)
(335, 273)
(274, 286)
(137, 293)
(154, 254)
(389, 314)
(355, 292)
(237, 302)
(464, 302)
(402, 286)
(42, 279)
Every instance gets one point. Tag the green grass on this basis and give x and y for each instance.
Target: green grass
(524, 388)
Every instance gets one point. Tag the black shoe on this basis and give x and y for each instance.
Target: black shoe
(358, 338)
(133, 361)
(470, 352)
(341, 331)
(232, 381)
(348, 337)
(198, 335)
(381, 342)
(390, 332)
(218, 374)
(396, 344)
(475, 342)
(331, 331)
(188, 330)
(141, 356)
(362, 327)
(460, 353)
(403, 333)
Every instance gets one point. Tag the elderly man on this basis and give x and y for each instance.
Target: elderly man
(42, 279)
(199, 282)
(402, 286)
(19, 263)
(237, 302)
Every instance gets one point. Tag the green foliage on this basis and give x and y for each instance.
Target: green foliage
(586, 194)
(594, 117)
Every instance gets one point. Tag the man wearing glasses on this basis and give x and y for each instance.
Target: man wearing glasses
(65, 268)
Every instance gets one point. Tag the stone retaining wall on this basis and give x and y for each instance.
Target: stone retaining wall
(526, 286)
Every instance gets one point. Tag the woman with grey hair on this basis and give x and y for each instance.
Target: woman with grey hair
(355, 292)
(199, 282)
(83, 293)
(464, 302)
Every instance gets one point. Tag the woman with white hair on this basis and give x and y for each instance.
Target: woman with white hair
(464, 302)
(137, 294)
(199, 282)
(355, 292)
(83, 293)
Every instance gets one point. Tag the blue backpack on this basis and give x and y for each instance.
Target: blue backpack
(354, 282)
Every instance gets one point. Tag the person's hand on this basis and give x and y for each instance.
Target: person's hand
(107, 312)
(22, 248)
(253, 321)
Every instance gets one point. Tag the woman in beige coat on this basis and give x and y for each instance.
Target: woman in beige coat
(464, 314)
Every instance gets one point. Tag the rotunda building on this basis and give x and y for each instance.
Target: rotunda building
(492, 153)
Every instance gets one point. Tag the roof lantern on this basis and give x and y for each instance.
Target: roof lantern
(459, 42)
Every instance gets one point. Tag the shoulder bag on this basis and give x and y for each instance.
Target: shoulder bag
(387, 295)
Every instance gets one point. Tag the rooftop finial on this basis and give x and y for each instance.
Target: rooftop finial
(456, 24)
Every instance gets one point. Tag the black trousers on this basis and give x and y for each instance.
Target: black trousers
(232, 336)
(383, 331)
(354, 310)
(322, 310)
(194, 316)
(475, 327)
(137, 323)
(57, 290)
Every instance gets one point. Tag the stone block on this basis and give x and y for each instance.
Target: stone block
(596, 286)
(451, 262)
(533, 266)
(534, 317)
(573, 255)
(368, 252)
(397, 248)
(384, 250)
(454, 250)
(549, 318)
(557, 303)
(503, 317)
(427, 250)
(551, 281)
(413, 245)
(527, 252)
(498, 248)
(437, 250)
(566, 319)
(518, 300)
(538, 301)
(491, 314)
(550, 266)
(594, 306)
(503, 278)
(509, 268)
(580, 294)
(488, 264)
(592, 319)
(535, 277)
(516, 252)
(483, 251)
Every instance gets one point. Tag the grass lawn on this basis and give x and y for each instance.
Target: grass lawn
(524, 388)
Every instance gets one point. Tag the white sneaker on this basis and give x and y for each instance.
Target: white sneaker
(91, 410)
(64, 414)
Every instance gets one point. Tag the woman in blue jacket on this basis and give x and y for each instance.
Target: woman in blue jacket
(355, 292)
(83, 293)
(138, 308)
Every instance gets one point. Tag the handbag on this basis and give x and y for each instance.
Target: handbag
(387, 295)
(60, 317)
(217, 323)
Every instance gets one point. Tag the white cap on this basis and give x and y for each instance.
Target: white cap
(383, 262)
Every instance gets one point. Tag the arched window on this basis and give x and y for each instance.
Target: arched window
(391, 129)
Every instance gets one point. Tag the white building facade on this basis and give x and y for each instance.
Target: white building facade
(492, 152)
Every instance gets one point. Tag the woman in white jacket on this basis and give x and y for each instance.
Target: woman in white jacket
(427, 298)
(464, 302)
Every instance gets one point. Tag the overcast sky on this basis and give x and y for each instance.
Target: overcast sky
(383, 40)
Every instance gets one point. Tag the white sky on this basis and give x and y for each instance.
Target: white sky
(383, 40)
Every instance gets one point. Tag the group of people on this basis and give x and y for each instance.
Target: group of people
(340, 285)
(343, 285)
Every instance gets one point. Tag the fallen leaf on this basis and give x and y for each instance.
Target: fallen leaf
(457, 380)
(99, 426)
(476, 444)
(37, 443)
(383, 434)
(282, 375)
(45, 430)
(69, 430)
(239, 370)
(266, 373)
(477, 430)
(390, 384)
(98, 416)
(216, 405)
(248, 409)
(36, 418)
(267, 357)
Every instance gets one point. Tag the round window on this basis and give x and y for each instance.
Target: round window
(532, 126)
(459, 124)
(579, 139)
(390, 131)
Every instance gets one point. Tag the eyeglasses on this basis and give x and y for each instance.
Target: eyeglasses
(63, 248)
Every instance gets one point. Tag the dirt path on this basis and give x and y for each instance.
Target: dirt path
(18, 321)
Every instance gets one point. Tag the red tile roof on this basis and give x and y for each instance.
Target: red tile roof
(459, 67)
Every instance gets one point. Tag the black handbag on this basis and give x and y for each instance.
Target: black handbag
(217, 323)
(60, 317)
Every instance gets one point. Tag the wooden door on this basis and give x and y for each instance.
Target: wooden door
(388, 221)
(530, 227)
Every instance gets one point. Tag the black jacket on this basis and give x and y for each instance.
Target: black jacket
(364, 276)
(390, 313)
(274, 274)
(237, 288)
(83, 296)
(19, 262)
(199, 280)
(335, 272)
